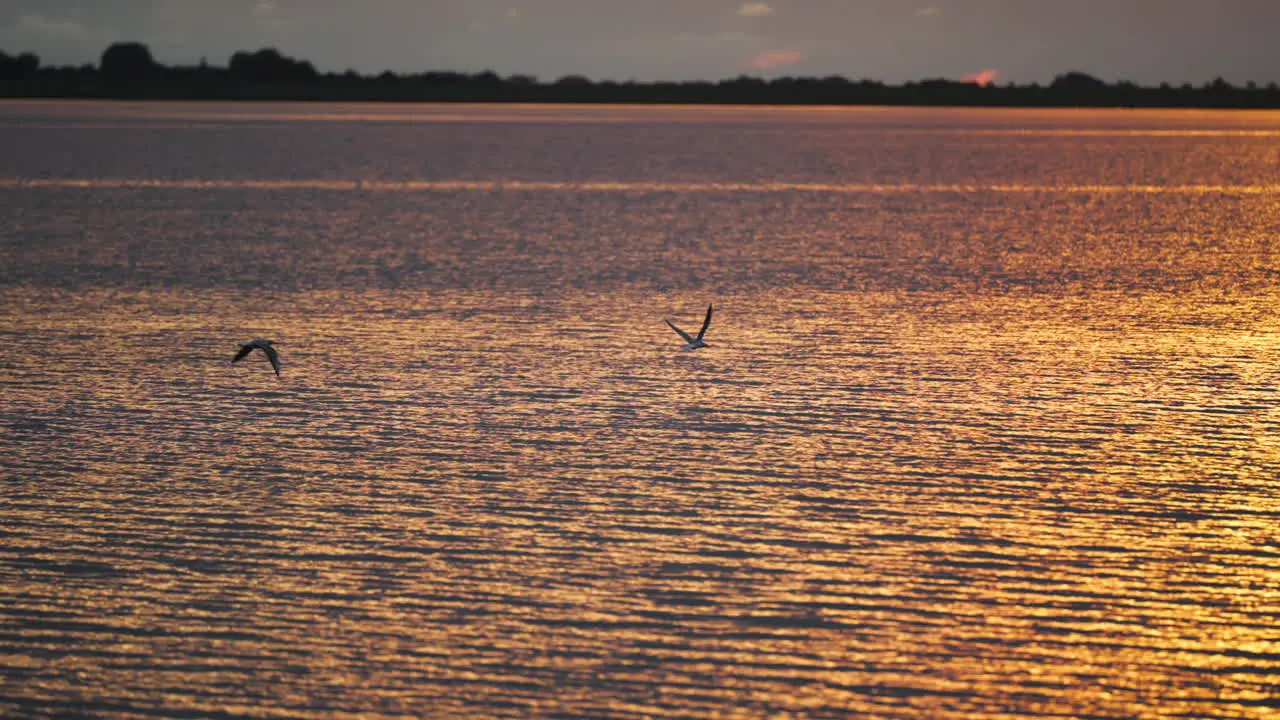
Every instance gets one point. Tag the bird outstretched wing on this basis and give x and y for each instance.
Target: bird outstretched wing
(244, 350)
(683, 334)
(705, 324)
(274, 357)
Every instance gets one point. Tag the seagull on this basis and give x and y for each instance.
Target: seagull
(265, 347)
(693, 343)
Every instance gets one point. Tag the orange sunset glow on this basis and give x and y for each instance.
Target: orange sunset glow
(774, 59)
(983, 78)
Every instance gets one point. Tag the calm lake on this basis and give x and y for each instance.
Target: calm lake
(988, 424)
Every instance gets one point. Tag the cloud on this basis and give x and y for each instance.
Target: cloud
(774, 59)
(755, 9)
(983, 78)
(734, 51)
(267, 13)
(59, 39)
(928, 12)
(41, 25)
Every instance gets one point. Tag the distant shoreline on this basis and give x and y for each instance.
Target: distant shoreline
(885, 96)
(128, 72)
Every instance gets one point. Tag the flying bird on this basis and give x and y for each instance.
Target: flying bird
(265, 347)
(693, 343)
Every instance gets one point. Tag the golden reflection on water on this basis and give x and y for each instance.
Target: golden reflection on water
(991, 509)
(989, 452)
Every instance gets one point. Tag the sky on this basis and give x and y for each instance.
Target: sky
(1143, 41)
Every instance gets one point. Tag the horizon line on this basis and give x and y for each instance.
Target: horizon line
(610, 186)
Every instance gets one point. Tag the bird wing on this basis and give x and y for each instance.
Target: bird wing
(705, 324)
(683, 334)
(274, 357)
(244, 350)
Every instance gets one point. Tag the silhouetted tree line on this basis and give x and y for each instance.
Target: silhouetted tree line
(128, 70)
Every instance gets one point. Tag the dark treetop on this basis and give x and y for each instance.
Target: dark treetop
(127, 70)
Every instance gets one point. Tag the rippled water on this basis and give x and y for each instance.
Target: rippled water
(987, 426)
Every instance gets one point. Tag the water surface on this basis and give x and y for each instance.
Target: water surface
(987, 426)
